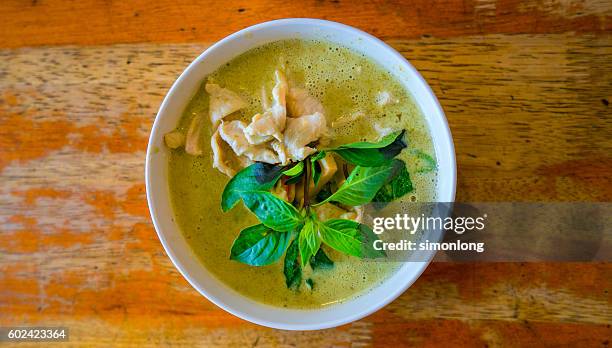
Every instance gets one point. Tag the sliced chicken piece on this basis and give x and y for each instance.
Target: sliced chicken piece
(222, 103)
(174, 139)
(233, 133)
(280, 151)
(272, 122)
(300, 102)
(302, 131)
(224, 159)
(193, 143)
(261, 129)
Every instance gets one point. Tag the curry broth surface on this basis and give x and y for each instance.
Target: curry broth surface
(346, 83)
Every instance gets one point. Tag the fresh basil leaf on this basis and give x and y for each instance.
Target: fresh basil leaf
(256, 177)
(369, 154)
(398, 185)
(310, 283)
(295, 170)
(321, 261)
(342, 235)
(362, 184)
(265, 173)
(318, 156)
(309, 240)
(369, 237)
(291, 266)
(316, 167)
(316, 172)
(272, 211)
(425, 163)
(294, 179)
(259, 245)
(296, 173)
(350, 237)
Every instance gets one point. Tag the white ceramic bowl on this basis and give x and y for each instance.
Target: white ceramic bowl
(157, 182)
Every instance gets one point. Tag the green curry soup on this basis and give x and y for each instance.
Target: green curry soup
(348, 85)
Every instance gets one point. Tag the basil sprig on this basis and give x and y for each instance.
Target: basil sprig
(372, 154)
(298, 233)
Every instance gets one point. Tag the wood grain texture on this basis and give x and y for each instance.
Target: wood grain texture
(87, 22)
(526, 86)
(530, 120)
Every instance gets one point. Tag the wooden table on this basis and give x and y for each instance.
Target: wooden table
(526, 86)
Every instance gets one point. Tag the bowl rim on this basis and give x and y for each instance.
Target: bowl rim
(359, 314)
